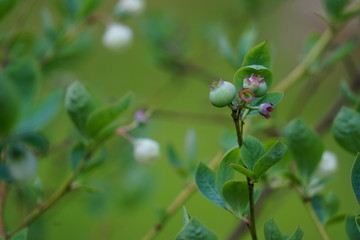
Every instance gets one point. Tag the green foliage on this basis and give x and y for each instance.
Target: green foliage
(355, 177)
(225, 172)
(175, 161)
(24, 74)
(325, 206)
(40, 115)
(335, 8)
(251, 151)
(236, 195)
(9, 105)
(305, 147)
(346, 129)
(6, 6)
(21, 235)
(195, 230)
(79, 104)
(352, 230)
(77, 154)
(205, 182)
(80, 9)
(246, 41)
(259, 55)
(340, 53)
(185, 167)
(272, 232)
(273, 156)
(350, 96)
(246, 172)
(248, 70)
(101, 118)
(210, 183)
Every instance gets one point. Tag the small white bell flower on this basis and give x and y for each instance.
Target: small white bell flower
(146, 150)
(117, 36)
(23, 168)
(130, 6)
(328, 164)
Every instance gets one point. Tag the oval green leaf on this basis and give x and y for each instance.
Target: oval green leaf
(305, 147)
(259, 55)
(346, 129)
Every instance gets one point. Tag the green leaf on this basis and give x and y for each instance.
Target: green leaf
(175, 161)
(187, 217)
(102, 117)
(335, 219)
(24, 74)
(9, 105)
(225, 172)
(236, 195)
(259, 55)
(36, 141)
(357, 221)
(226, 50)
(297, 235)
(87, 7)
(22, 235)
(246, 41)
(350, 96)
(248, 173)
(272, 157)
(274, 98)
(43, 113)
(305, 147)
(251, 151)
(351, 228)
(77, 154)
(195, 230)
(346, 129)
(335, 8)
(205, 182)
(355, 177)
(6, 6)
(272, 231)
(79, 104)
(339, 53)
(325, 206)
(248, 70)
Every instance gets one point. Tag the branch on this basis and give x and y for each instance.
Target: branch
(178, 202)
(55, 197)
(3, 188)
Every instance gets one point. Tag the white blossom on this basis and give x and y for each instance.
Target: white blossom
(328, 164)
(146, 150)
(117, 36)
(130, 6)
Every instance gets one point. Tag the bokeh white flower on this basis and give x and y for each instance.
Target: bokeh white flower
(117, 36)
(328, 164)
(146, 150)
(129, 6)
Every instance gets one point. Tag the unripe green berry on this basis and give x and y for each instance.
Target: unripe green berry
(222, 93)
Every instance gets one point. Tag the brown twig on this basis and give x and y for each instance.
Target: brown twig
(3, 189)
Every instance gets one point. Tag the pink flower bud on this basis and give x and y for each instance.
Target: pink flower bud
(265, 109)
(256, 83)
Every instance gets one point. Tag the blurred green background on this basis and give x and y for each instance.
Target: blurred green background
(130, 198)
